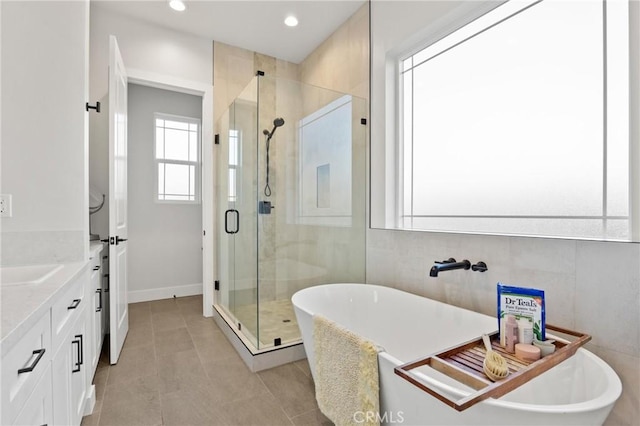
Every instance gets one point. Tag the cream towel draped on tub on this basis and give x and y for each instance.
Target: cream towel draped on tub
(346, 374)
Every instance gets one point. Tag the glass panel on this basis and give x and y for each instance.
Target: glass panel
(407, 64)
(407, 136)
(323, 190)
(177, 179)
(238, 257)
(543, 146)
(173, 197)
(317, 177)
(281, 250)
(180, 125)
(617, 110)
(161, 181)
(192, 182)
(233, 147)
(325, 139)
(224, 298)
(538, 183)
(193, 146)
(232, 185)
(176, 145)
(159, 143)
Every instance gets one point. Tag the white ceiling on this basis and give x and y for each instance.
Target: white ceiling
(253, 25)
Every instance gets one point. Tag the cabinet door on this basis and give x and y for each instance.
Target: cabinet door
(95, 312)
(22, 367)
(79, 371)
(69, 376)
(38, 408)
(61, 369)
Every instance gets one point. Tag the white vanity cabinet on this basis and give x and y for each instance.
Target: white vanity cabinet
(71, 364)
(47, 369)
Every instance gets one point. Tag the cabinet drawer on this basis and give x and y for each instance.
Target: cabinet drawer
(67, 308)
(23, 366)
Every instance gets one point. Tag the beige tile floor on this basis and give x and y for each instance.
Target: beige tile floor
(177, 368)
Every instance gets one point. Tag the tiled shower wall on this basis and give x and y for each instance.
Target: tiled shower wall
(592, 287)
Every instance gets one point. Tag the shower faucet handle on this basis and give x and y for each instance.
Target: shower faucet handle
(449, 260)
(479, 267)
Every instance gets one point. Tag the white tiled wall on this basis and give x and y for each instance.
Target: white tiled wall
(593, 287)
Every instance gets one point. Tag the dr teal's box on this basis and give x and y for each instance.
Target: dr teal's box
(523, 303)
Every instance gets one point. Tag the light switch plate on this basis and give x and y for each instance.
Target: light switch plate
(5, 205)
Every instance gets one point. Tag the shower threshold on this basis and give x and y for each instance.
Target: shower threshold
(257, 359)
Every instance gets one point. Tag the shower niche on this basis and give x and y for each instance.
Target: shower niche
(291, 203)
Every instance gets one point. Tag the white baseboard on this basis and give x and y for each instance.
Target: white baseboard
(90, 401)
(164, 293)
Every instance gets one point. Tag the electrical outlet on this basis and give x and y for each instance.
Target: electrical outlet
(5, 205)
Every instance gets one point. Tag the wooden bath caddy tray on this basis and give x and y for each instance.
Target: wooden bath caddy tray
(464, 364)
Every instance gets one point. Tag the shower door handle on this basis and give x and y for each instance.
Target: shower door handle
(226, 221)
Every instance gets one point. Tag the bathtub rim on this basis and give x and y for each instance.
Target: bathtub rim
(612, 387)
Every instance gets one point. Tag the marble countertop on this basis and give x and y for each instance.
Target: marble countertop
(23, 306)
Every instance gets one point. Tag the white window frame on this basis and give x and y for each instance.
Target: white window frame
(198, 163)
(512, 7)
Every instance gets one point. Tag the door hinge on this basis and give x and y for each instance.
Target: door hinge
(96, 106)
(216, 139)
(216, 285)
(363, 121)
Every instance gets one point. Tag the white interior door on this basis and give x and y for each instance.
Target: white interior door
(118, 233)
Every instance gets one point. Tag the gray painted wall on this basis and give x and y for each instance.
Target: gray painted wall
(165, 240)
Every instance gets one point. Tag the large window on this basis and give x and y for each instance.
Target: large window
(518, 124)
(177, 156)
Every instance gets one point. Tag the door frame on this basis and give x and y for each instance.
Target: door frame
(175, 84)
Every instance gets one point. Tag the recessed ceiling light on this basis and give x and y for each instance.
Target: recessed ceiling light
(177, 5)
(291, 21)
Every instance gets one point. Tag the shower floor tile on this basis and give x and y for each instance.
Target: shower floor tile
(277, 320)
(188, 373)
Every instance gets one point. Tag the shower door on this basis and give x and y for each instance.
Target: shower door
(237, 213)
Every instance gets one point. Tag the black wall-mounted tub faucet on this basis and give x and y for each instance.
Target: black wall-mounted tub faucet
(448, 265)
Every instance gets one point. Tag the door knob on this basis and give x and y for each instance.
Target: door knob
(119, 240)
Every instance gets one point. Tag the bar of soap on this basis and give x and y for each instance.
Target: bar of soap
(527, 352)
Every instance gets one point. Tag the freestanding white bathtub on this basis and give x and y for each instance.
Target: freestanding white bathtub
(579, 391)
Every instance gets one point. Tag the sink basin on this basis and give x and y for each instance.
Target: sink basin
(26, 275)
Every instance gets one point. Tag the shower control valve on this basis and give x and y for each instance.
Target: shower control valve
(265, 207)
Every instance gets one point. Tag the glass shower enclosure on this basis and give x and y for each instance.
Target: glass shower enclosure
(291, 203)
